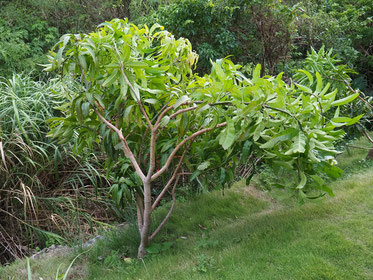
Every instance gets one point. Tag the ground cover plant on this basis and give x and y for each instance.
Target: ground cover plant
(139, 98)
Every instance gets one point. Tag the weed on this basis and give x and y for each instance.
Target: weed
(112, 260)
(206, 242)
(204, 263)
(156, 248)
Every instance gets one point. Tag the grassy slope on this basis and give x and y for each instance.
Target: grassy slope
(249, 236)
(329, 240)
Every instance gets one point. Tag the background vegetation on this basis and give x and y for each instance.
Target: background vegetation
(277, 34)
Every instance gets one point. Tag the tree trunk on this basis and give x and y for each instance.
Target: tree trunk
(144, 234)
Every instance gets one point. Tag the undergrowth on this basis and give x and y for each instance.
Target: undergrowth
(48, 195)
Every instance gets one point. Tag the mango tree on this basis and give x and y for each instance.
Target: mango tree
(137, 95)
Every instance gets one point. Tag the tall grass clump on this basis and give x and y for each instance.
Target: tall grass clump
(48, 194)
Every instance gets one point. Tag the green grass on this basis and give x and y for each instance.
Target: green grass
(332, 239)
(354, 158)
(247, 235)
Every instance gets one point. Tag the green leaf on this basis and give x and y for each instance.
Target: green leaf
(287, 134)
(248, 179)
(29, 274)
(219, 72)
(123, 87)
(222, 175)
(181, 101)
(111, 79)
(82, 62)
(85, 109)
(333, 171)
(166, 146)
(135, 93)
(165, 120)
(195, 175)
(151, 101)
(319, 82)
(91, 52)
(227, 136)
(256, 72)
(318, 180)
(355, 120)
(136, 64)
(304, 88)
(204, 165)
(345, 100)
(327, 189)
(246, 150)
(325, 89)
(299, 145)
(341, 119)
(303, 180)
(308, 74)
(128, 111)
(154, 27)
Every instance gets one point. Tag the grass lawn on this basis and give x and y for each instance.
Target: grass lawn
(247, 235)
(332, 239)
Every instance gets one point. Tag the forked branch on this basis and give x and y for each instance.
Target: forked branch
(126, 149)
(160, 196)
(181, 144)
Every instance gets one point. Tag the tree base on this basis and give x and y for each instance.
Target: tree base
(141, 252)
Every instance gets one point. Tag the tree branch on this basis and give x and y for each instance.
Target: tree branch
(140, 212)
(367, 136)
(173, 153)
(160, 196)
(164, 112)
(287, 113)
(126, 149)
(169, 212)
(142, 145)
(352, 90)
(156, 126)
(153, 139)
(182, 111)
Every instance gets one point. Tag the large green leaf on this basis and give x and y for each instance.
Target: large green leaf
(227, 136)
(345, 100)
(285, 135)
(299, 145)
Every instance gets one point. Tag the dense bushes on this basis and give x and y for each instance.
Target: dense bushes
(345, 26)
(271, 31)
(30, 28)
(44, 187)
(255, 31)
(206, 25)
